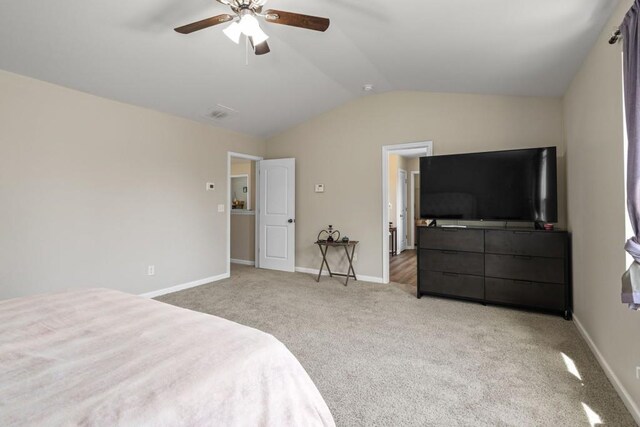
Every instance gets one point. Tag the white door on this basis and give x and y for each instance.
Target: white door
(402, 210)
(277, 217)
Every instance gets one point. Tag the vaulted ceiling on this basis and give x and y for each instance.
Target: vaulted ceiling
(127, 51)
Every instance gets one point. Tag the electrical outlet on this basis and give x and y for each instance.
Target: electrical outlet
(319, 188)
(638, 372)
(151, 270)
(355, 257)
(211, 186)
(220, 208)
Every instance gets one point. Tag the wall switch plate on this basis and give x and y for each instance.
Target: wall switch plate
(319, 188)
(220, 208)
(211, 186)
(151, 270)
(638, 372)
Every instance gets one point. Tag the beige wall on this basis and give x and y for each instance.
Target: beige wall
(596, 208)
(243, 237)
(93, 191)
(342, 149)
(413, 164)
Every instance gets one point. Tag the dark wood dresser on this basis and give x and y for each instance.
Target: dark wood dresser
(516, 267)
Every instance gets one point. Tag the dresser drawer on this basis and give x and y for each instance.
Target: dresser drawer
(549, 270)
(550, 296)
(459, 285)
(532, 243)
(452, 262)
(454, 239)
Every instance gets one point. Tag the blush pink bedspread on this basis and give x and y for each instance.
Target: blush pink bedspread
(105, 358)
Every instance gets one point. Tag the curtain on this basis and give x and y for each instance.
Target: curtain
(631, 72)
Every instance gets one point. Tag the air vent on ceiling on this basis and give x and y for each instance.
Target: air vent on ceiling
(221, 112)
(217, 114)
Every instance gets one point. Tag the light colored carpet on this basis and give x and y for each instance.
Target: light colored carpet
(380, 356)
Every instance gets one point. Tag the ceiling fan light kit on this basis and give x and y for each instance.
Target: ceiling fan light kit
(250, 27)
(246, 22)
(234, 32)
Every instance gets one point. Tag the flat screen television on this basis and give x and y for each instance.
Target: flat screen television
(513, 185)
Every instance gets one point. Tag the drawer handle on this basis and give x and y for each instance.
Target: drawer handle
(523, 257)
(450, 252)
(450, 274)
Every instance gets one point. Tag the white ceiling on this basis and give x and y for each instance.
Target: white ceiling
(127, 50)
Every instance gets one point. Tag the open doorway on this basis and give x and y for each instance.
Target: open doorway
(242, 221)
(400, 171)
(414, 205)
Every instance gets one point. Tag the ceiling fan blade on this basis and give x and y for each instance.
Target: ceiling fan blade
(205, 23)
(297, 20)
(261, 49)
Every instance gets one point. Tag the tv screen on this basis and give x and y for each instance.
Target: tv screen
(514, 185)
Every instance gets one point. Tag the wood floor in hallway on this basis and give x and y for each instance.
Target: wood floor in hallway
(403, 268)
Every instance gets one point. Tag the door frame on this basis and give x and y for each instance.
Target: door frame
(412, 182)
(384, 230)
(257, 159)
(404, 241)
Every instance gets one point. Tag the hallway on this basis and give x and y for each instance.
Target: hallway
(403, 268)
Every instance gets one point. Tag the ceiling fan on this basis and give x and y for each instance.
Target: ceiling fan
(245, 21)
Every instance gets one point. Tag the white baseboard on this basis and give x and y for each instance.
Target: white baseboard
(193, 284)
(326, 273)
(242, 261)
(624, 395)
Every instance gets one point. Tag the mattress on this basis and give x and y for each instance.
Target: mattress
(103, 358)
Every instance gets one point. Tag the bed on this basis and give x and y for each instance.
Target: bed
(106, 358)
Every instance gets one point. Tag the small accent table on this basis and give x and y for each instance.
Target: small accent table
(324, 248)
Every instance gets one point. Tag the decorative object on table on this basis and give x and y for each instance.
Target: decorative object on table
(324, 248)
(548, 227)
(331, 235)
(345, 239)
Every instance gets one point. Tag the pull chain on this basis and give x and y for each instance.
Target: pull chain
(246, 51)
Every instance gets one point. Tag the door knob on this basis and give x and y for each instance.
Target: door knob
(290, 221)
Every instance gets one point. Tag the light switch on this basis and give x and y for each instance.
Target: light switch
(211, 186)
(319, 188)
(220, 208)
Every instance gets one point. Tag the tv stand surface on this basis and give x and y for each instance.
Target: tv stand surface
(519, 267)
